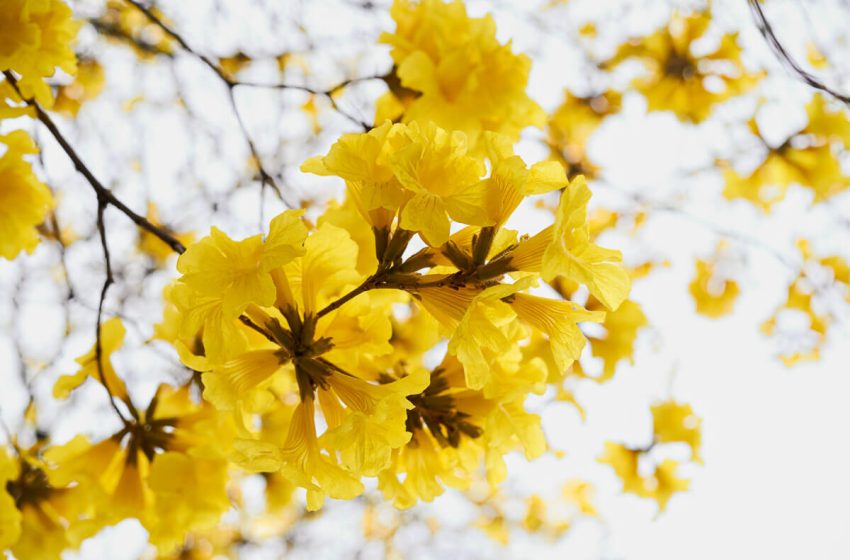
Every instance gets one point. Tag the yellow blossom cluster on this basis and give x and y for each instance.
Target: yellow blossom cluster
(714, 293)
(819, 279)
(297, 334)
(679, 80)
(808, 158)
(642, 473)
(24, 200)
(35, 40)
(450, 69)
(573, 123)
(399, 335)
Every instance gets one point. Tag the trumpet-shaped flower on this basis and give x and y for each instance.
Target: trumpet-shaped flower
(433, 164)
(24, 200)
(35, 39)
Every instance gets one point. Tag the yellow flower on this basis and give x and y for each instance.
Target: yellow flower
(456, 428)
(327, 268)
(565, 249)
(35, 39)
(238, 272)
(89, 83)
(806, 158)
(559, 321)
(571, 254)
(243, 378)
(361, 159)
(166, 467)
(467, 80)
(189, 490)
(111, 338)
(301, 461)
(434, 166)
(485, 332)
(677, 80)
(152, 245)
(199, 327)
(676, 422)
(376, 424)
(510, 180)
(39, 518)
(714, 297)
(10, 515)
(24, 200)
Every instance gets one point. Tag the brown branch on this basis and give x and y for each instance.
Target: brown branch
(115, 32)
(102, 192)
(779, 50)
(98, 343)
(233, 83)
(368, 284)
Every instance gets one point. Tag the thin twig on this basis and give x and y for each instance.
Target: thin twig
(779, 50)
(102, 204)
(233, 83)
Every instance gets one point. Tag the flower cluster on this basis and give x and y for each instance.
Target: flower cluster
(810, 157)
(646, 471)
(35, 40)
(24, 200)
(679, 80)
(306, 320)
(451, 69)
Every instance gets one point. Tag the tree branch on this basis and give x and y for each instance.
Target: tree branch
(779, 50)
(103, 194)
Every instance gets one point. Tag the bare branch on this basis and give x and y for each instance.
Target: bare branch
(779, 50)
(102, 192)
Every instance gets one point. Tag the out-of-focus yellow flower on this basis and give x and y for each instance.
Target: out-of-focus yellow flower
(234, 63)
(803, 300)
(573, 123)
(24, 200)
(644, 476)
(676, 422)
(40, 518)
(35, 39)
(166, 467)
(127, 25)
(112, 334)
(618, 342)
(660, 485)
(87, 85)
(714, 297)
(155, 247)
(806, 158)
(677, 80)
(580, 493)
(467, 80)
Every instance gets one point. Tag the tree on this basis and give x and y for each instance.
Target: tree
(267, 270)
